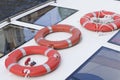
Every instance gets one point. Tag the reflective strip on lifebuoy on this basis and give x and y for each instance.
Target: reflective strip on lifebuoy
(69, 42)
(50, 29)
(23, 51)
(52, 63)
(74, 39)
(46, 52)
(47, 68)
(11, 65)
(99, 27)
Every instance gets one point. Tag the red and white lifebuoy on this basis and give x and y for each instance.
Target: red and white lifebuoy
(101, 21)
(53, 61)
(74, 39)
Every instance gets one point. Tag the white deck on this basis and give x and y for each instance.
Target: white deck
(71, 58)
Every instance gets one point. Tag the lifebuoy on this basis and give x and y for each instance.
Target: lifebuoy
(101, 21)
(52, 63)
(74, 39)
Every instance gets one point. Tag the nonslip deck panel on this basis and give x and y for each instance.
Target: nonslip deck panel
(104, 62)
(115, 39)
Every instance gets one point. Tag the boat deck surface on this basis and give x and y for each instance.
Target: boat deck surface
(73, 57)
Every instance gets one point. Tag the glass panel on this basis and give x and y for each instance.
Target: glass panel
(103, 65)
(48, 16)
(12, 36)
(11, 7)
(115, 39)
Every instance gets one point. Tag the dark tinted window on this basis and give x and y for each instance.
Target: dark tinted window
(48, 16)
(12, 36)
(11, 7)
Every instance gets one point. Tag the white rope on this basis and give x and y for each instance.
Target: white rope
(106, 20)
(27, 72)
(101, 33)
(107, 26)
(97, 26)
(94, 19)
(85, 23)
(94, 15)
(108, 17)
(88, 20)
(114, 15)
(99, 14)
(103, 12)
(87, 17)
(114, 26)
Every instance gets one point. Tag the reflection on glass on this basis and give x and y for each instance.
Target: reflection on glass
(12, 36)
(115, 39)
(48, 16)
(104, 65)
(11, 7)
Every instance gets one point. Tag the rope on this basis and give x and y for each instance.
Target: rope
(103, 12)
(99, 14)
(27, 72)
(86, 18)
(106, 20)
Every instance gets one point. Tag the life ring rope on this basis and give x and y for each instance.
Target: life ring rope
(50, 65)
(114, 25)
(27, 72)
(102, 21)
